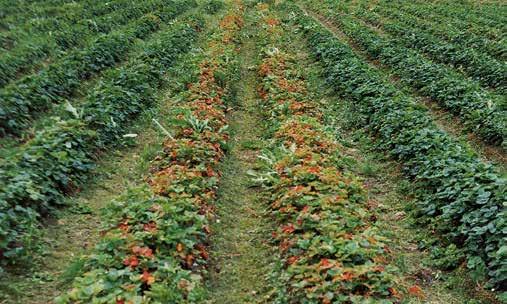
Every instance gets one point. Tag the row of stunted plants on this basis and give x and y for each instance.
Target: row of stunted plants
(330, 250)
(154, 248)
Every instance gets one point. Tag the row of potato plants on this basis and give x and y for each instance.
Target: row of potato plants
(475, 64)
(65, 37)
(154, 248)
(481, 111)
(330, 250)
(459, 197)
(447, 32)
(27, 98)
(422, 11)
(38, 177)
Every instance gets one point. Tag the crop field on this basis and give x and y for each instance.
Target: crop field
(253, 151)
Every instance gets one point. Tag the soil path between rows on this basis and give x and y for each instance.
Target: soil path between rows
(240, 250)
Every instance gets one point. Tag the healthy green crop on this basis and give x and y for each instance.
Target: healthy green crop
(32, 95)
(446, 32)
(482, 112)
(58, 159)
(459, 196)
(474, 63)
(72, 30)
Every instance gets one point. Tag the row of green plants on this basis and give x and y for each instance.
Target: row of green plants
(459, 197)
(461, 11)
(430, 14)
(65, 36)
(480, 111)
(47, 18)
(16, 12)
(454, 35)
(490, 10)
(39, 17)
(154, 248)
(329, 247)
(60, 157)
(27, 98)
(475, 64)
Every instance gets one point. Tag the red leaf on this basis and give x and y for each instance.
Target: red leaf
(179, 247)
(288, 229)
(147, 278)
(379, 268)
(394, 292)
(293, 259)
(206, 229)
(314, 170)
(150, 227)
(131, 261)
(416, 291)
(347, 276)
(123, 226)
(325, 264)
(189, 259)
(142, 251)
(210, 172)
(298, 188)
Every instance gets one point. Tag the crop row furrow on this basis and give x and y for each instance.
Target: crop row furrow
(156, 239)
(59, 158)
(27, 98)
(459, 196)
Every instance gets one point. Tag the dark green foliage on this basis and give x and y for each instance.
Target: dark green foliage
(459, 196)
(28, 97)
(482, 112)
(213, 6)
(480, 66)
(60, 156)
(446, 32)
(70, 30)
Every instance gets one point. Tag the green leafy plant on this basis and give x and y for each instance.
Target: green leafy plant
(26, 98)
(330, 251)
(154, 245)
(459, 196)
(57, 161)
